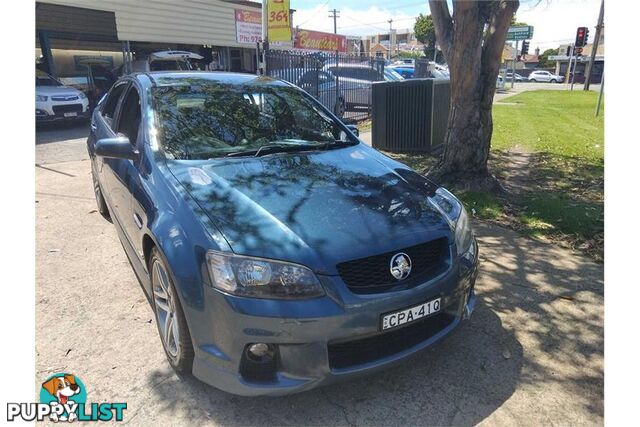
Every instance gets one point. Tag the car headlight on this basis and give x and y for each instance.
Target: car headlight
(456, 215)
(261, 278)
(82, 95)
(41, 98)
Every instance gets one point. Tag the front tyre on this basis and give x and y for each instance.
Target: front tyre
(172, 325)
(554, 81)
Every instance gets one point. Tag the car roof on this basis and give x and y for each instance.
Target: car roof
(349, 66)
(180, 78)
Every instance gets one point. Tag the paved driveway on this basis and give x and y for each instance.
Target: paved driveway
(532, 353)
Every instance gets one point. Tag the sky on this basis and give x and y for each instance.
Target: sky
(554, 21)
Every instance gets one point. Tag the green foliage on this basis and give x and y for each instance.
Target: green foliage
(515, 23)
(426, 34)
(544, 61)
(412, 54)
(481, 205)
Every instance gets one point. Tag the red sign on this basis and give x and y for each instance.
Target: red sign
(316, 40)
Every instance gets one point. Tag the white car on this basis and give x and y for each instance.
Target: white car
(545, 76)
(55, 101)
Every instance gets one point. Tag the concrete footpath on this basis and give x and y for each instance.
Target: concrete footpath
(532, 354)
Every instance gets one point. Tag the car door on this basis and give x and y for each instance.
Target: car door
(126, 172)
(103, 126)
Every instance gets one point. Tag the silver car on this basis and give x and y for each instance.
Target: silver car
(545, 76)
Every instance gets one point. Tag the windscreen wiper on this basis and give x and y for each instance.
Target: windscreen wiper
(276, 148)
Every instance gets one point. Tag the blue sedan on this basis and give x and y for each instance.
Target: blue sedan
(278, 251)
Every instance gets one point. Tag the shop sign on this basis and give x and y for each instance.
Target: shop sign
(248, 26)
(278, 23)
(316, 40)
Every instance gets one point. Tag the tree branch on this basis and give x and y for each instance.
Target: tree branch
(443, 25)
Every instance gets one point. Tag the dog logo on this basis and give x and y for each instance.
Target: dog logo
(65, 390)
(63, 397)
(400, 266)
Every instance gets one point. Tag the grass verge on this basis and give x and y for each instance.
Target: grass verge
(561, 197)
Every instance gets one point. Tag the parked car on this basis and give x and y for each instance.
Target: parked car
(279, 252)
(392, 75)
(355, 82)
(404, 70)
(166, 60)
(319, 83)
(545, 76)
(518, 77)
(55, 101)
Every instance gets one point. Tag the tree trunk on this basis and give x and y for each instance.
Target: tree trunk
(472, 42)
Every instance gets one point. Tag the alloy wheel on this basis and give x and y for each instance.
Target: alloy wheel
(164, 302)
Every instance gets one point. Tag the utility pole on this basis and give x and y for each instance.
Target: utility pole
(390, 21)
(265, 42)
(335, 14)
(513, 70)
(568, 72)
(594, 47)
(600, 95)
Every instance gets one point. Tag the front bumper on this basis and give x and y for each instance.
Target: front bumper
(311, 335)
(51, 111)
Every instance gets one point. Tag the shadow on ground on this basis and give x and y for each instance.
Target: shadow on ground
(47, 133)
(459, 381)
(532, 353)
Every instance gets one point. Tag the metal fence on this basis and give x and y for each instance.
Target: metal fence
(341, 82)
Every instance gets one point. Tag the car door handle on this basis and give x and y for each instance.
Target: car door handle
(138, 220)
(94, 127)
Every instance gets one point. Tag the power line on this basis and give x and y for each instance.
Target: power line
(313, 16)
(372, 24)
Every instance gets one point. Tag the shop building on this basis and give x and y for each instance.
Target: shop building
(73, 33)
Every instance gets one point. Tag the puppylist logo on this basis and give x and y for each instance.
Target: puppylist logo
(63, 397)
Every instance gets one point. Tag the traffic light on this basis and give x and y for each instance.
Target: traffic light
(582, 35)
(525, 47)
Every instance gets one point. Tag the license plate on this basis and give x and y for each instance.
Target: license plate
(70, 114)
(411, 314)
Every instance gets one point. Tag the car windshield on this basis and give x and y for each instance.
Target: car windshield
(392, 75)
(44, 79)
(201, 121)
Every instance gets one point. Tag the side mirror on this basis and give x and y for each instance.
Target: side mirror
(116, 148)
(354, 129)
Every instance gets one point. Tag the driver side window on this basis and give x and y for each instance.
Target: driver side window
(130, 116)
(109, 107)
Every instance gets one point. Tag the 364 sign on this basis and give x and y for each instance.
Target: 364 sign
(278, 23)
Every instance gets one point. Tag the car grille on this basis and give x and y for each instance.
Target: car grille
(70, 108)
(64, 98)
(364, 350)
(372, 274)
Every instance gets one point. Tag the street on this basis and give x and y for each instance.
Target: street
(532, 353)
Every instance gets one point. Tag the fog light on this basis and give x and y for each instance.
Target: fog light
(260, 351)
(259, 362)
